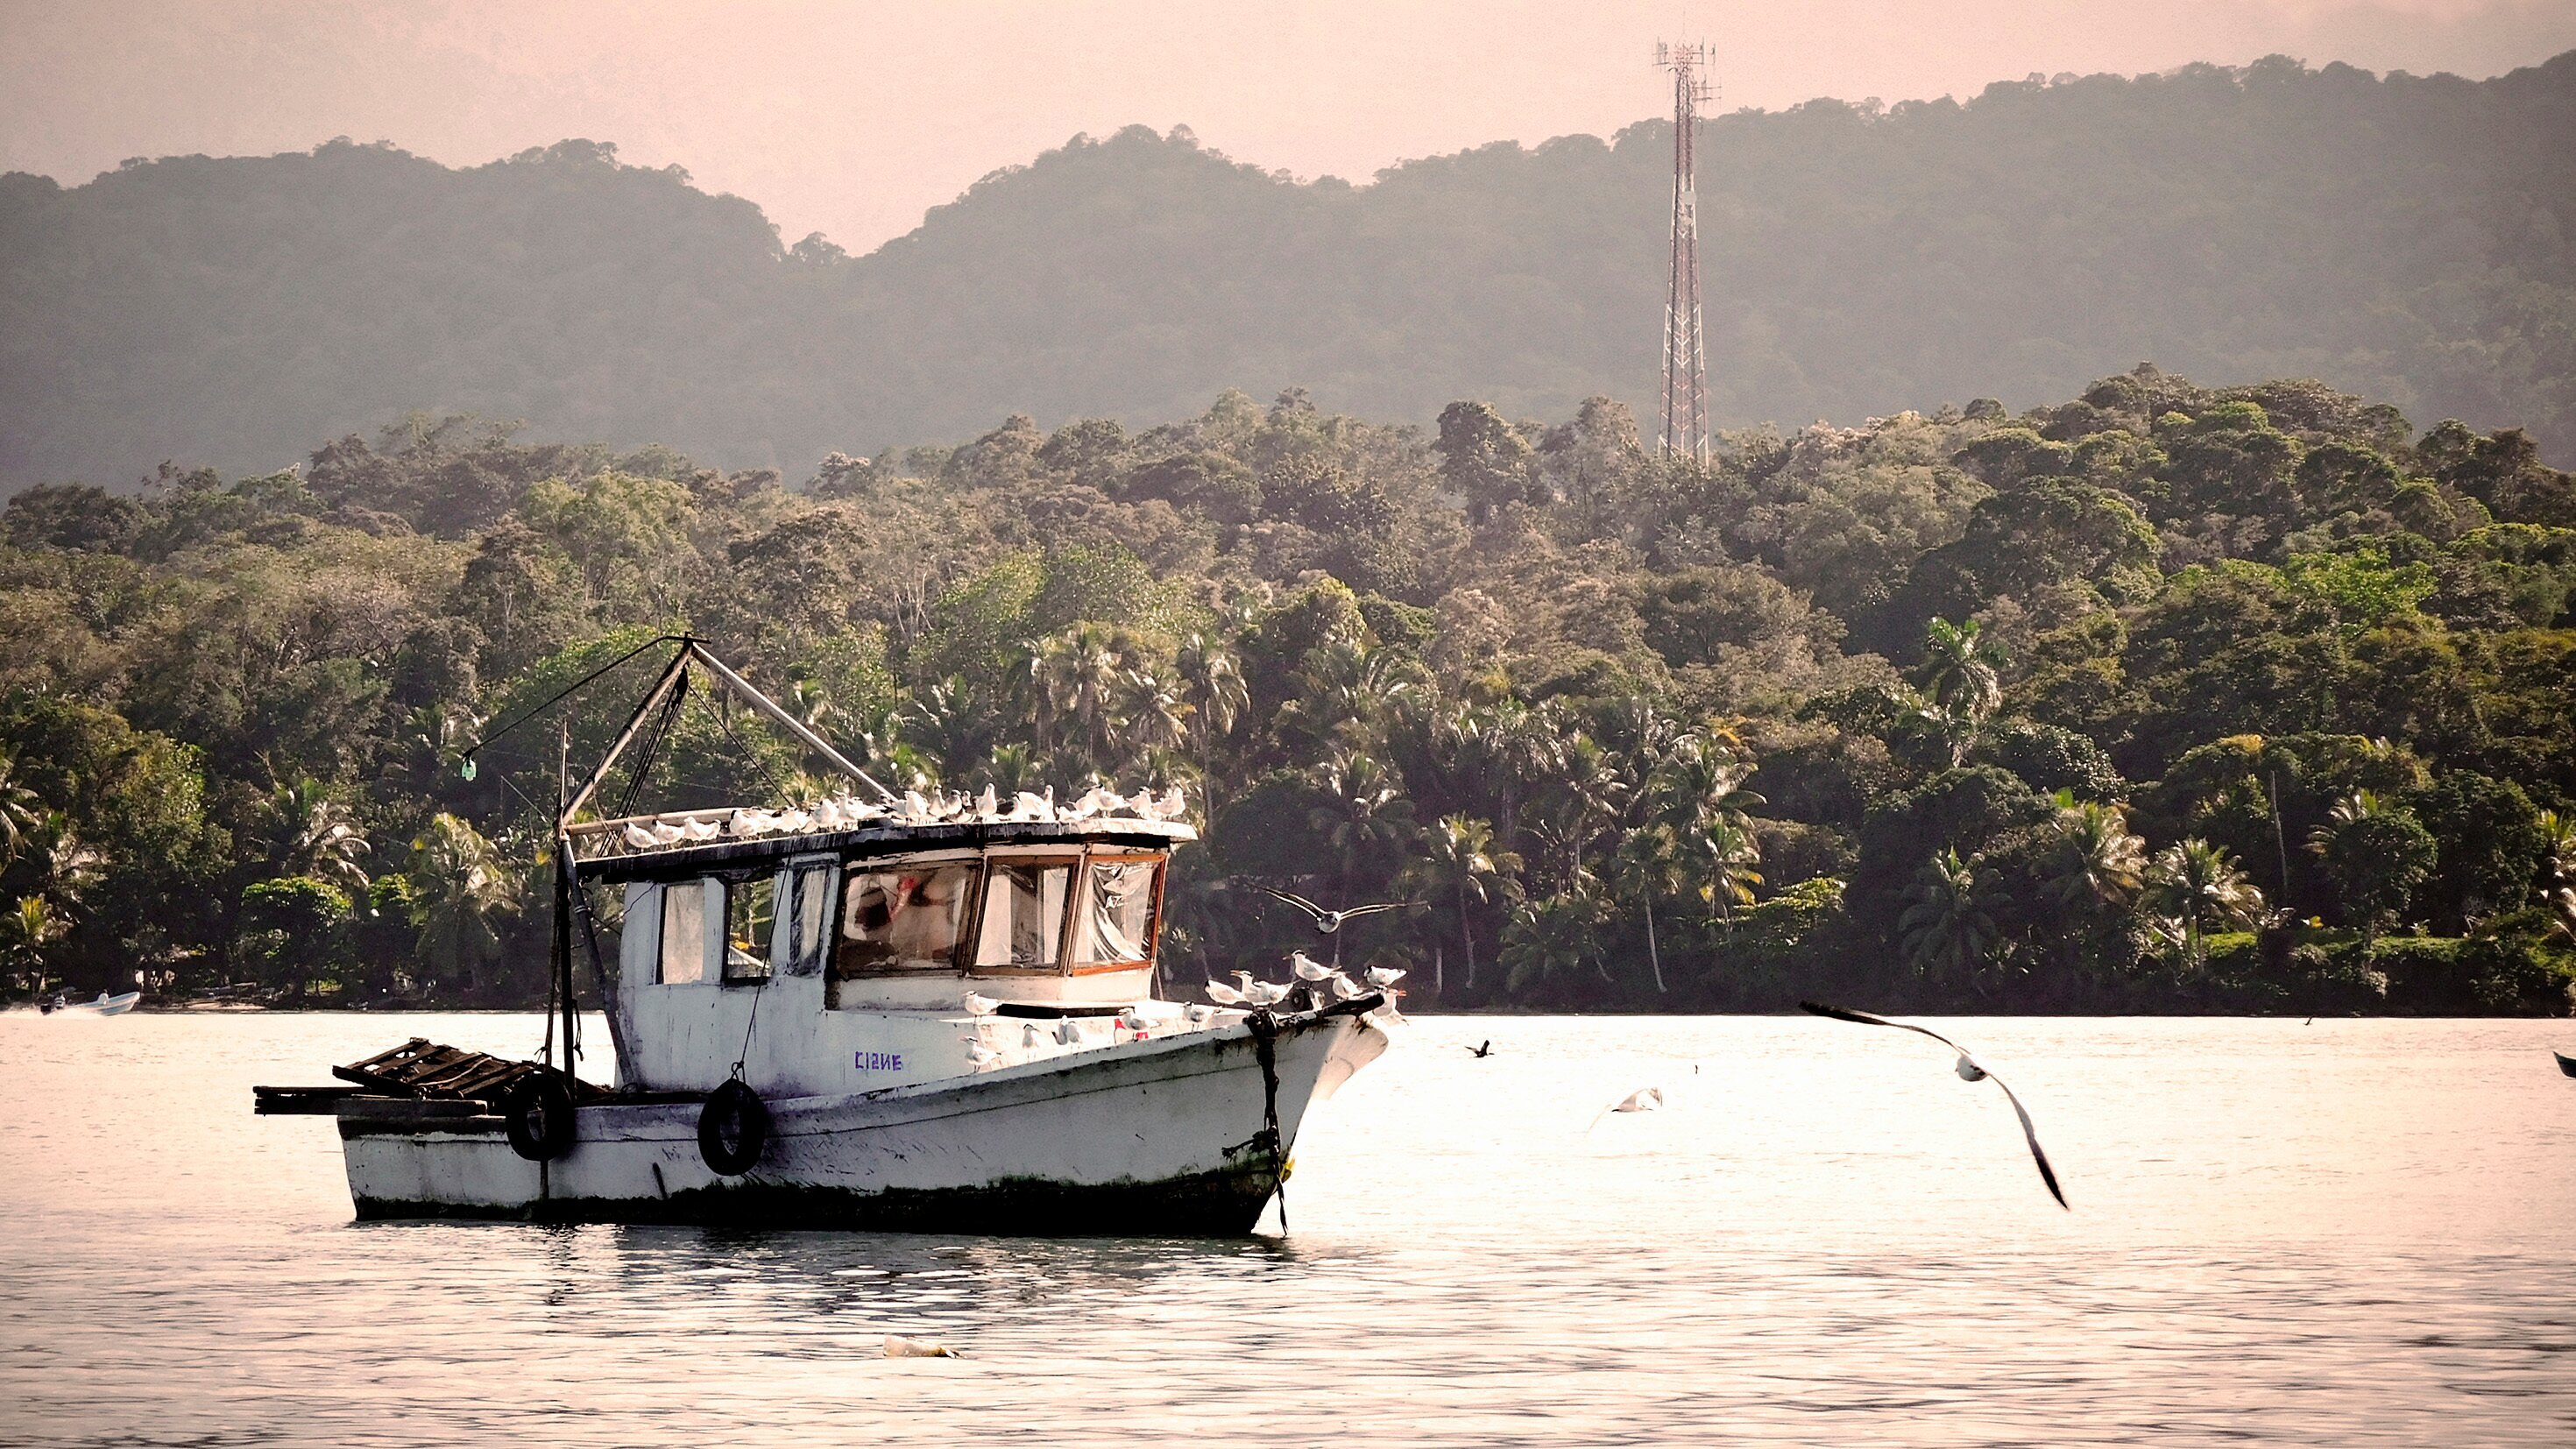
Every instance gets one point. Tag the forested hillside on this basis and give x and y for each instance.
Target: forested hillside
(2162, 698)
(2405, 238)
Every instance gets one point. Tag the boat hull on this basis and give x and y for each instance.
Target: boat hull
(1161, 1137)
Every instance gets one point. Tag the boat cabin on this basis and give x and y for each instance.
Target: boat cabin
(840, 961)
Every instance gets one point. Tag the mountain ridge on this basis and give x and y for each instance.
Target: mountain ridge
(2398, 236)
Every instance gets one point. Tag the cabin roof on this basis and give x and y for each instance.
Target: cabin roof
(880, 838)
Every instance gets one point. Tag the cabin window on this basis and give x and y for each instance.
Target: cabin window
(809, 913)
(903, 920)
(684, 934)
(751, 910)
(1120, 927)
(1023, 914)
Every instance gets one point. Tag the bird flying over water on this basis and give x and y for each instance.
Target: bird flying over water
(1969, 1071)
(1482, 1052)
(1327, 922)
(1644, 1099)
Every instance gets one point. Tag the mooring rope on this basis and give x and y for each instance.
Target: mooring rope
(1265, 1049)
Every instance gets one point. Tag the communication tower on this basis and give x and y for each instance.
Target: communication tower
(1685, 411)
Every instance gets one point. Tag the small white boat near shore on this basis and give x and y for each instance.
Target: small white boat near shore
(104, 1005)
(915, 1013)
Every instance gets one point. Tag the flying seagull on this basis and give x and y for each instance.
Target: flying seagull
(1327, 922)
(1482, 1052)
(1968, 1071)
(1644, 1099)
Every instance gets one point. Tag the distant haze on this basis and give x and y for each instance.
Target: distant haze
(852, 119)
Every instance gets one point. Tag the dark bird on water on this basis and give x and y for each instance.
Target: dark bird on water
(1327, 922)
(1482, 1052)
(1968, 1071)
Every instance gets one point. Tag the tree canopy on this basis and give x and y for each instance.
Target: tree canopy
(1957, 708)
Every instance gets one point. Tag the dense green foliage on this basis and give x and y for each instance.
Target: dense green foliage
(2406, 238)
(2046, 711)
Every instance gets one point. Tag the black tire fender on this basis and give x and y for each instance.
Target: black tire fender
(733, 1128)
(538, 1114)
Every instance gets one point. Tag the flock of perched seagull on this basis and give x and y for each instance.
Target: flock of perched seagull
(912, 807)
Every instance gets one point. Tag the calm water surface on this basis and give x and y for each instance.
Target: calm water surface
(2353, 1232)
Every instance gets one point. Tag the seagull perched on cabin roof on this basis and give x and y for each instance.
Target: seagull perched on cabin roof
(1327, 922)
(1969, 1071)
(638, 838)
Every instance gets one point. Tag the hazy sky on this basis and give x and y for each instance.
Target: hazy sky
(851, 118)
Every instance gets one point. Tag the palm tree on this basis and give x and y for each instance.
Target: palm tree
(1518, 744)
(1585, 795)
(1218, 697)
(314, 836)
(462, 884)
(806, 698)
(1368, 816)
(20, 811)
(1726, 853)
(1953, 730)
(1648, 865)
(1946, 930)
(1702, 781)
(1458, 856)
(1551, 938)
(2194, 881)
(1350, 690)
(72, 865)
(1960, 668)
(25, 933)
(1157, 716)
(1015, 768)
(2558, 846)
(1078, 675)
(2097, 858)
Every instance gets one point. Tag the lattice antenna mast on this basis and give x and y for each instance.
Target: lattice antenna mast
(1685, 410)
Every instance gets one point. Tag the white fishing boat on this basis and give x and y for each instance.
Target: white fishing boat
(902, 1012)
(105, 1005)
